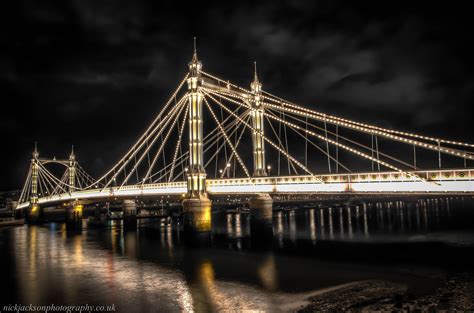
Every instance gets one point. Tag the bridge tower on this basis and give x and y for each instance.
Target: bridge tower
(34, 210)
(34, 177)
(72, 171)
(74, 211)
(196, 205)
(261, 205)
(257, 124)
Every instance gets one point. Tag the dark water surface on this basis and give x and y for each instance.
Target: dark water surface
(415, 243)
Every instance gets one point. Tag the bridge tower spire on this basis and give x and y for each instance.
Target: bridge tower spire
(72, 170)
(257, 124)
(196, 172)
(196, 205)
(34, 176)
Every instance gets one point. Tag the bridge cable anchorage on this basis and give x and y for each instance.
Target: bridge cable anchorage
(262, 135)
(161, 148)
(146, 133)
(336, 135)
(158, 129)
(354, 151)
(227, 138)
(309, 141)
(274, 98)
(302, 112)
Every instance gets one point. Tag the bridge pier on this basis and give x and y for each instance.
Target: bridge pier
(129, 213)
(34, 214)
(74, 216)
(197, 214)
(261, 217)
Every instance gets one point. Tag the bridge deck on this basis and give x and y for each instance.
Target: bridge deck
(437, 181)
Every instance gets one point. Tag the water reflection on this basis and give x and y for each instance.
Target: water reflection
(152, 268)
(372, 221)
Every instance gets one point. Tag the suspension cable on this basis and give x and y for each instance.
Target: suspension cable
(227, 138)
(260, 133)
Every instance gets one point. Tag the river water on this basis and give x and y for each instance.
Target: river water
(414, 242)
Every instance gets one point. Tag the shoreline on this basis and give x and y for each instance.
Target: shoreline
(455, 293)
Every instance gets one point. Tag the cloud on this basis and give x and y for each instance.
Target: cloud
(108, 63)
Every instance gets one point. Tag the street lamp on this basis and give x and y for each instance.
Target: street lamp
(269, 169)
(228, 169)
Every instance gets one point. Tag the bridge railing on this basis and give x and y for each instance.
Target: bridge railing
(457, 180)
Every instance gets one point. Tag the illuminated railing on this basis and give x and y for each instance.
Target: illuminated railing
(438, 181)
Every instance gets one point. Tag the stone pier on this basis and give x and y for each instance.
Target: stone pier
(129, 213)
(197, 214)
(74, 216)
(34, 214)
(261, 217)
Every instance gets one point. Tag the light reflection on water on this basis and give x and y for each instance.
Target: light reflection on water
(151, 269)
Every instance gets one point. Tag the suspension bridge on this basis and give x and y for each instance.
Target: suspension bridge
(249, 142)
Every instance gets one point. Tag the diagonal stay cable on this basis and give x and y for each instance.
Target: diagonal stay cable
(226, 137)
(262, 135)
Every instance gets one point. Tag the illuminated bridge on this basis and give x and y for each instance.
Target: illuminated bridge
(213, 137)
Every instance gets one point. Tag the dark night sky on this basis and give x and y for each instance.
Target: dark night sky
(93, 73)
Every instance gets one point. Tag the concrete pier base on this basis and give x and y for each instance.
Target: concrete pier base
(74, 216)
(261, 217)
(197, 215)
(129, 213)
(19, 213)
(34, 214)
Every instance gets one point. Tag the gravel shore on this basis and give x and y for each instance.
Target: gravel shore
(455, 294)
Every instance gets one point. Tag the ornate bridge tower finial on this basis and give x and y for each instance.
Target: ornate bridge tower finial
(257, 124)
